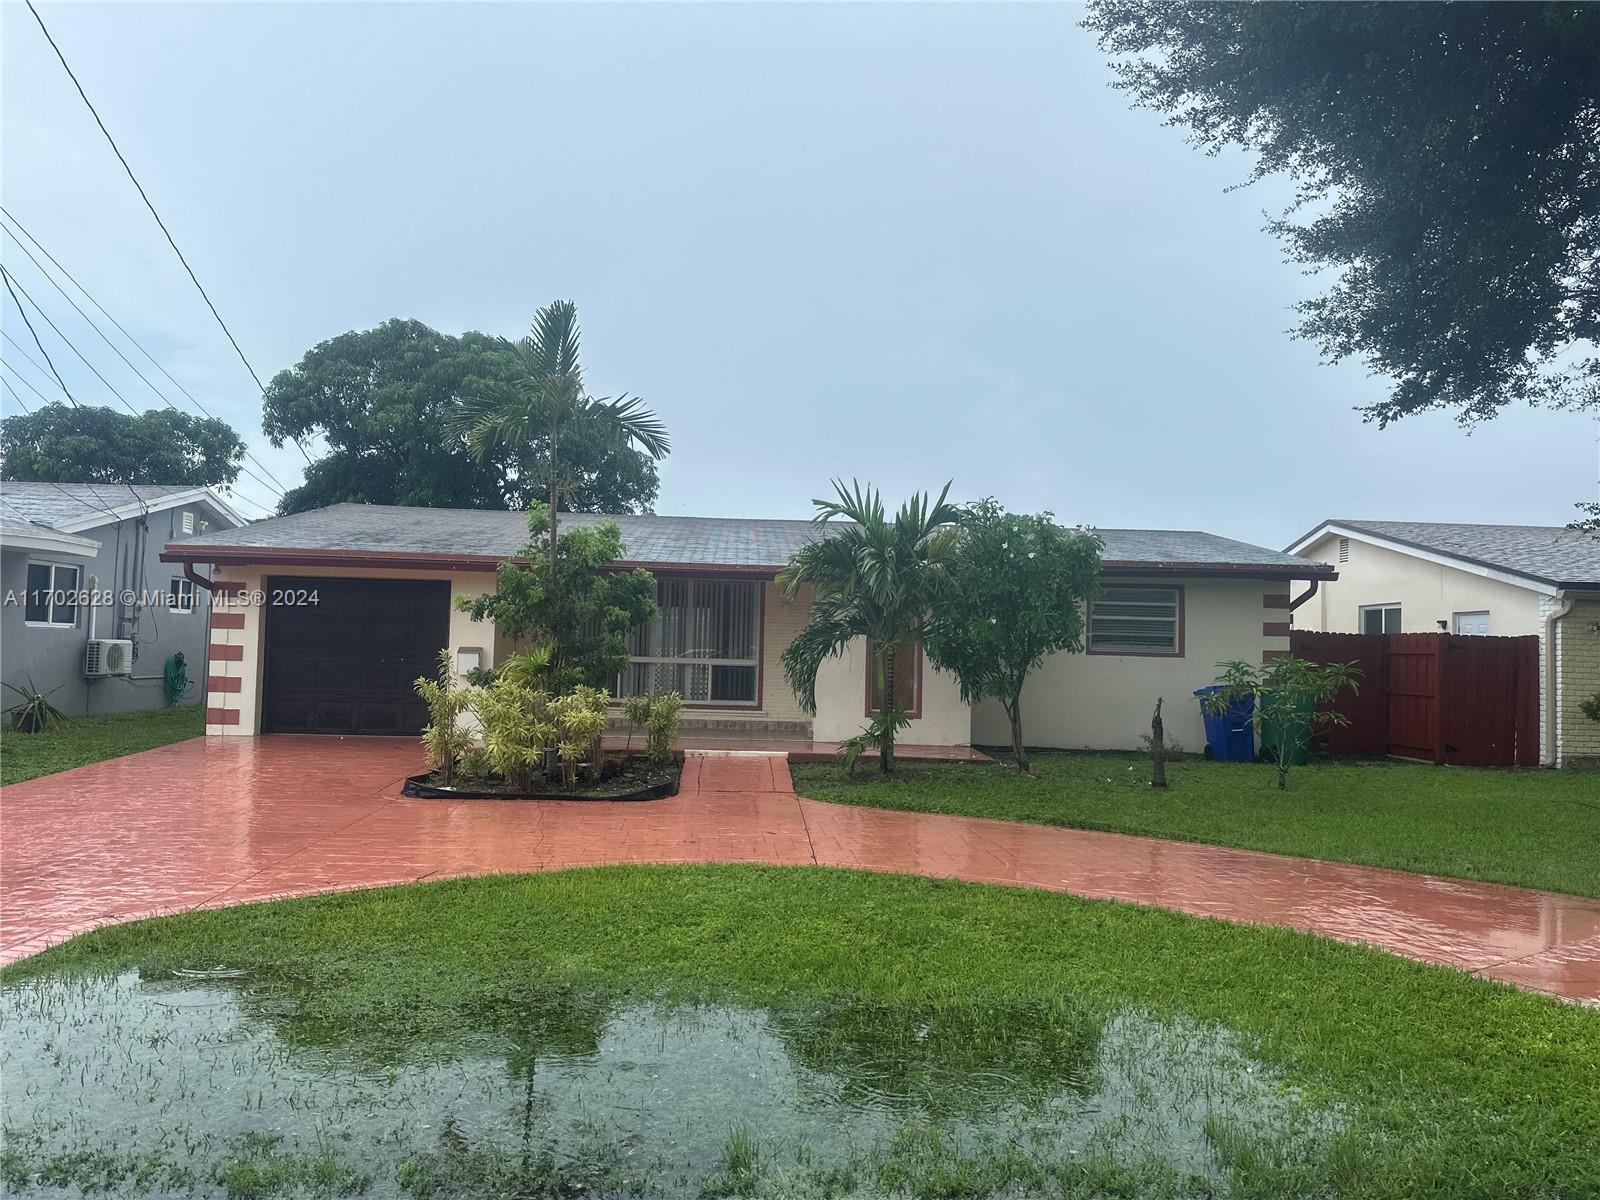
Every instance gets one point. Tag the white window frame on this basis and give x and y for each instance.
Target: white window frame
(1361, 616)
(1455, 621)
(52, 591)
(185, 587)
(1172, 594)
(694, 661)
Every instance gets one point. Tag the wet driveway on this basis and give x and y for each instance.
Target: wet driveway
(217, 821)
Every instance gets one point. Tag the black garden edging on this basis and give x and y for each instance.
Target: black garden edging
(418, 788)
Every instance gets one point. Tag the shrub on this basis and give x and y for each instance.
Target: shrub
(517, 729)
(580, 721)
(1591, 707)
(662, 727)
(443, 738)
(636, 712)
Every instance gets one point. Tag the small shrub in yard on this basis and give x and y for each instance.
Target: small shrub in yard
(1289, 694)
(636, 712)
(662, 727)
(444, 738)
(33, 713)
(1591, 707)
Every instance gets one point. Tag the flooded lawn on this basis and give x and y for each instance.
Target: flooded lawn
(205, 1084)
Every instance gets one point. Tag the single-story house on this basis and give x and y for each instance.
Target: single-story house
(1500, 580)
(90, 612)
(323, 619)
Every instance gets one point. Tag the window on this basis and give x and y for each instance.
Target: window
(52, 595)
(180, 595)
(704, 643)
(1380, 618)
(1137, 620)
(907, 680)
(1475, 623)
(1344, 549)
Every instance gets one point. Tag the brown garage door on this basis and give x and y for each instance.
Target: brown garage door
(346, 664)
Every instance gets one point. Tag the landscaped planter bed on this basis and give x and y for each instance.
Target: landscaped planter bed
(626, 779)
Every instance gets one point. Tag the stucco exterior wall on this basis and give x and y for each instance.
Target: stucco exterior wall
(1578, 678)
(1427, 593)
(51, 658)
(945, 719)
(1103, 701)
(234, 676)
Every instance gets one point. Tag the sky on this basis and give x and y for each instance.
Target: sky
(899, 243)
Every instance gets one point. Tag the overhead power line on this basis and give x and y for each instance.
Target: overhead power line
(6, 275)
(115, 149)
(87, 295)
(274, 487)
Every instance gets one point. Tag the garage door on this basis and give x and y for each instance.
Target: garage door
(346, 663)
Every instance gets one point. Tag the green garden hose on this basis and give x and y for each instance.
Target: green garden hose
(175, 678)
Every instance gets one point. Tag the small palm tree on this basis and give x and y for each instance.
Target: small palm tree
(876, 578)
(547, 400)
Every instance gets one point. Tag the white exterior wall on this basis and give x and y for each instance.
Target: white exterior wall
(842, 703)
(1104, 701)
(238, 712)
(1427, 593)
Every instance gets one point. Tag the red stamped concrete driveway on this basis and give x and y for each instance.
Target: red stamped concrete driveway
(217, 821)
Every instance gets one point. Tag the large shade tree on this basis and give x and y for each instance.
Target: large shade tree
(543, 409)
(876, 577)
(1446, 159)
(386, 402)
(88, 444)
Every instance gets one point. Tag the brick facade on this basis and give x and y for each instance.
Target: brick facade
(1578, 672)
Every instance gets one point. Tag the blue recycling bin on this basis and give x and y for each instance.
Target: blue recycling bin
(1229, 737)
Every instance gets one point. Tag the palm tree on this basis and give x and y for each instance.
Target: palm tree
(547, 399)
(876, 578)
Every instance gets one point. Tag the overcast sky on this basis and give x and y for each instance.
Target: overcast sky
(903, 243)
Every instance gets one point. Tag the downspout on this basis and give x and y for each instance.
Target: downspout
(1552, 710)
(1305, 595)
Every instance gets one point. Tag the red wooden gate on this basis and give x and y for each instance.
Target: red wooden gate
(1471, 701)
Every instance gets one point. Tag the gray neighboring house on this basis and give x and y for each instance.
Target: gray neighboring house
(61, 542)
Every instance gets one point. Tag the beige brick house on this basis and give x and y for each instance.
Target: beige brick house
(1501, 580)
(320, 621)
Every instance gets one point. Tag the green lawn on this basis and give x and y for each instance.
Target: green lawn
(1533, 828)
(91, 739)
(1448, 1086)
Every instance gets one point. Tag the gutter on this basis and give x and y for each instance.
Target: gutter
(1305, 595)
(1552, 706)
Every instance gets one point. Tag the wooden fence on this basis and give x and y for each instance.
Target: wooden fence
(1445, 698)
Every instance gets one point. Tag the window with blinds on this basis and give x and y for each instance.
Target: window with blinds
(1137, 620)
(703, 643)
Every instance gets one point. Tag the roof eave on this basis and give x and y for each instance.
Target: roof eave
(1306, 570)
(180, 552)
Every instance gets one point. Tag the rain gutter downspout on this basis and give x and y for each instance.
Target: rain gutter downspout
(1305, 595)
(210, 585)
(1552, 710)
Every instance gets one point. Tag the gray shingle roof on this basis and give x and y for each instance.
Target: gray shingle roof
(367, 529)
(54, 503)
(1550, 554)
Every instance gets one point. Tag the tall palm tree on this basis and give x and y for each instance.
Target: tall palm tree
(878, 578)
(547, 399)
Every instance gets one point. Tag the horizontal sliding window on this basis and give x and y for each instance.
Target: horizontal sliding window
(703, 643)
(1137, 620)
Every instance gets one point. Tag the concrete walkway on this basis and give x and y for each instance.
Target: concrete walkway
(217, 821)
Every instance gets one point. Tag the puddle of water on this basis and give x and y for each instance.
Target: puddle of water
(216, 1087)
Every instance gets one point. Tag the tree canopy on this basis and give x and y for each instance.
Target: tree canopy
(580, 612)
(387, 400)
(1447, 165)
(85, 444)
(1017, 591)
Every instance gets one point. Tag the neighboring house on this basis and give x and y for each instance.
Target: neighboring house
(80, 569)
(1501, 580)
(323, 619)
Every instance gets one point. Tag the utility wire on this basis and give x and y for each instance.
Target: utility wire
(32, 361)
(6, 275)
(274, 487)
(7, 387)
(154, 361)
(140, 188)
(23, 379)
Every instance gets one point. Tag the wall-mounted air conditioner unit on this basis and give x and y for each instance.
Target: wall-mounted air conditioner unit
(107, 656)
